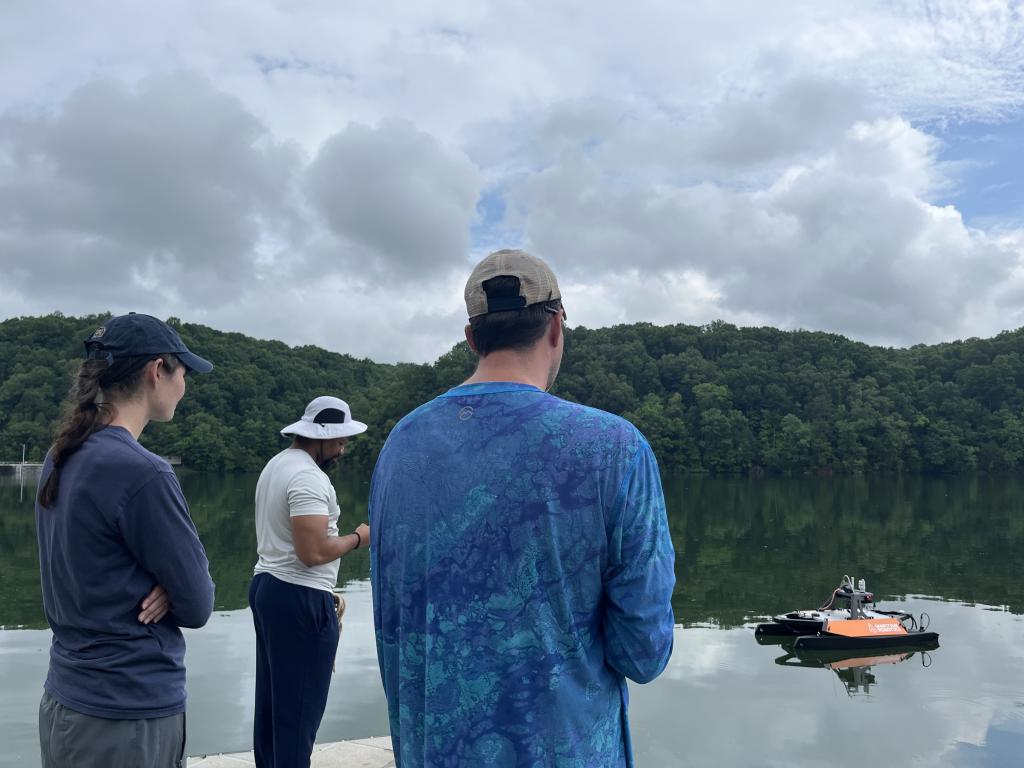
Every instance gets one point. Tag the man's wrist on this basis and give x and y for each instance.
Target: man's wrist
(359, 539)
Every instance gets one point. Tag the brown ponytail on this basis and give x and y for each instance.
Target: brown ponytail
(85, 416)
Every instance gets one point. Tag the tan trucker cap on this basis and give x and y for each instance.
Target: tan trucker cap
(536, 282)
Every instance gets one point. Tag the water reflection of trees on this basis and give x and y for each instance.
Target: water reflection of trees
(222, 508)
(750, 548)
(20, 599)
(745, 547)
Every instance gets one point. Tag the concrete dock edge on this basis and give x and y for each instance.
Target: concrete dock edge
(360, 753)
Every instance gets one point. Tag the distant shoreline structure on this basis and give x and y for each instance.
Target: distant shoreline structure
(17, 467)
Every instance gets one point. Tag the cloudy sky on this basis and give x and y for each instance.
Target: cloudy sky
(327, 172)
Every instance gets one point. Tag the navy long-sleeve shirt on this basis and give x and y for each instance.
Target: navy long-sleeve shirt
(119, 527)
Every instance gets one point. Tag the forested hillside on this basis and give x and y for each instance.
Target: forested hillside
(710, 398)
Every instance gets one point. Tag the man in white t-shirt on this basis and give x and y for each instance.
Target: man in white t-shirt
(291, 595)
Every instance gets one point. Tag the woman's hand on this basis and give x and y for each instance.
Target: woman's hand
(154, 606)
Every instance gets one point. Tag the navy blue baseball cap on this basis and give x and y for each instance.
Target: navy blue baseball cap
(140, 336)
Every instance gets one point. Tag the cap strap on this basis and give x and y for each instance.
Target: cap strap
(505, 303)
(96, 351)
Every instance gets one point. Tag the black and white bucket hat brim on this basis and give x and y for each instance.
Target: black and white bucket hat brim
(315, 431)
(326, 418)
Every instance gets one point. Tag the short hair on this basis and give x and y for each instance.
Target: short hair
(512, 329)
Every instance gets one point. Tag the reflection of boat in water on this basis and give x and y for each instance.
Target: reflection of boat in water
(844, 624)
(852, 667)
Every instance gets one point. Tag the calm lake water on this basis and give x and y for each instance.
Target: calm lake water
(949, 547)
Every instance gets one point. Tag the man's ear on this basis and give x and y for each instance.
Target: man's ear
(469, 339)
(555, 330)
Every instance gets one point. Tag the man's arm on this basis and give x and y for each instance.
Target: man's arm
(309, 510)
(640, 576)
(315, 547)
(159, 532)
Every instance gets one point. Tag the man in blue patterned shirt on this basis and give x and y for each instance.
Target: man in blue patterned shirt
(522, 567)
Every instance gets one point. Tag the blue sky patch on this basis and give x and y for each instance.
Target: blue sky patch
(989, 170)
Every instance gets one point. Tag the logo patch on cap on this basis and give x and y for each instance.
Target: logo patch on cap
(99, 332)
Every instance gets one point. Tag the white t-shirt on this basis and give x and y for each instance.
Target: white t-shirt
(292, 485)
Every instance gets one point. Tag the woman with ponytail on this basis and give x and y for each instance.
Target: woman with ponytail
(121, 564)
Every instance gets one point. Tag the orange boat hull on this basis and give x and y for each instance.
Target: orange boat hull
(865, 627)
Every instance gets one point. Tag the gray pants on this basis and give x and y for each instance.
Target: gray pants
(69, 739)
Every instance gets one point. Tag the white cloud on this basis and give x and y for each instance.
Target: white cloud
(382, 322)
(173, 198)
(677, 163)
(165, 189)
(847, 241)
(397, 193)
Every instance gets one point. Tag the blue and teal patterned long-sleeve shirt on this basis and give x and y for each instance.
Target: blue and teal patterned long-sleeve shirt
(522, 569)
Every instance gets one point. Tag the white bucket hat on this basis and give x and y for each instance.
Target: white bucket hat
(325, 418)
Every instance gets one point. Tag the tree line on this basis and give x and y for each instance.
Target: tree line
(712, 398)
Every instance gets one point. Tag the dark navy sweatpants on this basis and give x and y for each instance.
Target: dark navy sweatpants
(296, 640)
